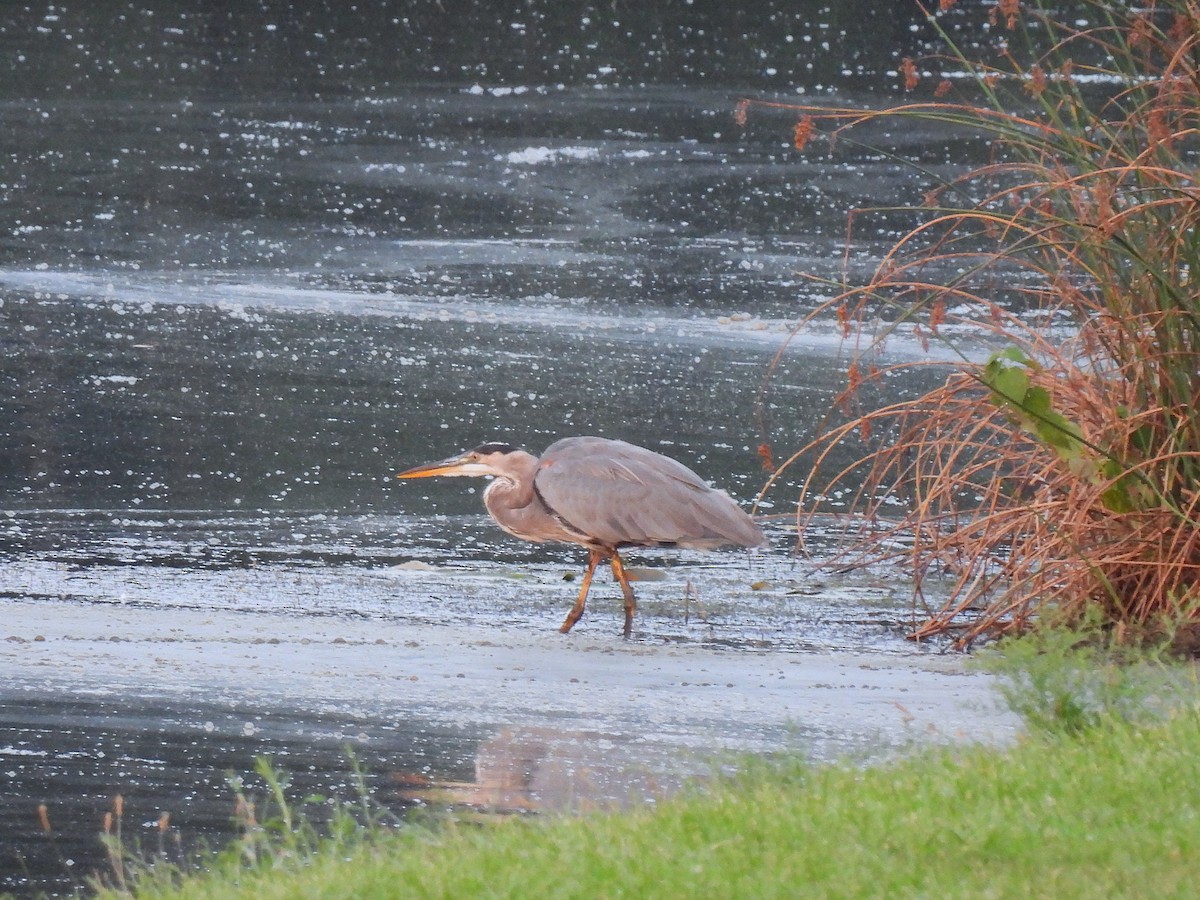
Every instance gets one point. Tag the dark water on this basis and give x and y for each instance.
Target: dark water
(255, 260)
(173, 49)
(77, 755)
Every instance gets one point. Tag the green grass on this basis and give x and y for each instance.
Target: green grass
(1112, 812)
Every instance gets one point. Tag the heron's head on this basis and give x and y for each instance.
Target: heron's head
(486, 459)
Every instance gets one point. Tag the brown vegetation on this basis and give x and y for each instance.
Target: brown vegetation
(1064, 471)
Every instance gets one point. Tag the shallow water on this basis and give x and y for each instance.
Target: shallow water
(248, 273)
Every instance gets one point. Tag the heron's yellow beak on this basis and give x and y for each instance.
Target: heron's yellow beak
(455, 465)
(430, 469)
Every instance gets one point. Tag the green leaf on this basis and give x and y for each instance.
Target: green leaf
(1059, 433)
(1126, 492)
(1008, 385)
(1031, 408)
(1014, 354)
(1116, 497)
(1143, 438)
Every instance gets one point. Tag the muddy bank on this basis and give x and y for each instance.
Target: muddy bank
(693, 697)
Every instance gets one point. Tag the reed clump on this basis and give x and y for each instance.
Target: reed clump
(1062, 471)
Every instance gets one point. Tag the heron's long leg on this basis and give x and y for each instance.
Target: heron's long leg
(577, 610)
(622, 576)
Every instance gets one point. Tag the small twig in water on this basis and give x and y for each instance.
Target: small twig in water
(690, 593)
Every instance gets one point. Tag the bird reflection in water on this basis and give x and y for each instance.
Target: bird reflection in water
(541, 769)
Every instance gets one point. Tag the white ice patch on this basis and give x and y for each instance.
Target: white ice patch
(533, 156)
(478, 90)
(114, 379)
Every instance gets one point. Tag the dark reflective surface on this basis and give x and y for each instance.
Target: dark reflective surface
(121, 48)
(76, 755)
(160, 405)
(255, 260)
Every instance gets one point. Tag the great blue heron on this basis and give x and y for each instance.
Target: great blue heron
(602, 494)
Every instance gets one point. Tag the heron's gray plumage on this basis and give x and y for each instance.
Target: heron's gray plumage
(622, 495)
(604, 495)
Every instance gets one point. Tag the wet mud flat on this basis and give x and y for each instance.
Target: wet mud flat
(445, 678)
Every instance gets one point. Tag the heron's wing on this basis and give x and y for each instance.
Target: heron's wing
(619, 493)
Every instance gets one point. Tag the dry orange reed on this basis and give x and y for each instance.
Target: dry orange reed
(1063, 472)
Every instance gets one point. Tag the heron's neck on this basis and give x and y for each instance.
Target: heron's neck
(515, 486)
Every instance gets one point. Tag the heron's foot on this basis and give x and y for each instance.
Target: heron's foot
(630, 604)
(572, 617)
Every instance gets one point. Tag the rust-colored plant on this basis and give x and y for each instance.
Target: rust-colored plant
(1063, 469)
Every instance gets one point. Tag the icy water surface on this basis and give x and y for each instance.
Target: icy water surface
(250, 269)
